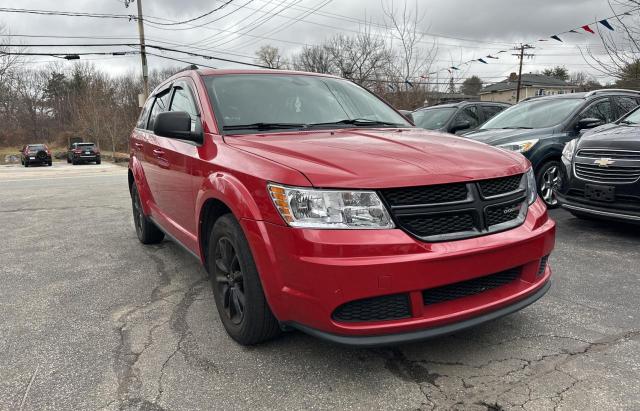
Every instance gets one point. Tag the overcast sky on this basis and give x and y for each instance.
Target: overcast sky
(462, 29)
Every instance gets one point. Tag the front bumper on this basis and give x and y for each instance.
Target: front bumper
(307, 274)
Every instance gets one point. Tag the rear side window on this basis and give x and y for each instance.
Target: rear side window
(469, 114)
(144, 115)
(160, 105)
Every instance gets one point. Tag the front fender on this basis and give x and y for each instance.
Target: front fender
(229, 190)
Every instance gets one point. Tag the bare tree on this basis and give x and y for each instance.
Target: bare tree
(270, 56)
(621, 57)
(316, 59)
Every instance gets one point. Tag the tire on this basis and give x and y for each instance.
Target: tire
(68, 160)
(237, 290)
(147, 231)
(50, 163)
(26, 164)
(98, 161)
(74, 163)
(549, 177)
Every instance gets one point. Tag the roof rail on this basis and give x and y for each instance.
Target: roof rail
(609, 90)
(189, 67)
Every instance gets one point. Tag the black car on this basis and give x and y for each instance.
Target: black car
(603, 169)
(456, 118)
(540, 128)
(35, 154)
(83, 153)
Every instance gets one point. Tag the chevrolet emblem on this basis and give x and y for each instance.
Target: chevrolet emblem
(604, 162)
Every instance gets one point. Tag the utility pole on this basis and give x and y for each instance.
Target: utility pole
(521, 56)
(143, 52)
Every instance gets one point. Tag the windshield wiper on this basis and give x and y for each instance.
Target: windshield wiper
(517, 128)
(265, 126)
(628, 123)
(357, 122)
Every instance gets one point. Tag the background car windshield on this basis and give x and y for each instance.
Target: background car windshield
(433, 118)
(36, 147)
(534, 114)
(299, 99)
(633, 118)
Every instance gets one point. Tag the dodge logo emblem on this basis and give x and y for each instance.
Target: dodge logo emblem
(604, 162)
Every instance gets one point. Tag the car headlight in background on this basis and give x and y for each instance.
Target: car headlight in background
(569, 149)
(333, 209)
(532, 187)
(519, 146)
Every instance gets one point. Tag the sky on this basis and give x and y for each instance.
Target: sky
(460, 29)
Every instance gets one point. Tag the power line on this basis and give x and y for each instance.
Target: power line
(175, 23)
(67, 13)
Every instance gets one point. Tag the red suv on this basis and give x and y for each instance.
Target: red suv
(314, 205)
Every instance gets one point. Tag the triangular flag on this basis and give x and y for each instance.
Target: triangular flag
(424, 77)
(606, 24)
(588, 29)
(543, 40)
(501, 51)
(483, 61)
(493, 57)
(449, 70)
(573, 31)
(557, 38)
(409, 83)
(391, 87)
(454, 68)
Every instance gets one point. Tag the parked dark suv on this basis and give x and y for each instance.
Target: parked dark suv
(315, 205)
(456, 118)
(83, 153)
(35, 154)
(603, 169)
(539, 128)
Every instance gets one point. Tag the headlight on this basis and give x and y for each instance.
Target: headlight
(310, 208)
(569, 149)
(532, 187)
(519, 146)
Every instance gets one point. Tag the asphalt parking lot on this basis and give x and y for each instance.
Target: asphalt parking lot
(91, 319)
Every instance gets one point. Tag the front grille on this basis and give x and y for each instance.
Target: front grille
(469, 287)
(543, 266)
(503, 213)
(387, 307)
(596, 153)
(500, 186)
(425, 226)
(610, 174)
(459, 210)
(426, 195)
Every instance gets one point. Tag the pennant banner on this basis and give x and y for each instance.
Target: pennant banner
(606, 24)
(588, 29)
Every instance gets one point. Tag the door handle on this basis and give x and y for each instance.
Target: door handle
(158, 153)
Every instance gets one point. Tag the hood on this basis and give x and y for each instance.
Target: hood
(615, 136)
(381, 158)
(499, 136)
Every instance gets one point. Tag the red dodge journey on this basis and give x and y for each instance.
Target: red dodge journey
(314, 205)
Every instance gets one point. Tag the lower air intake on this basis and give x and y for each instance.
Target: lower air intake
(387, 307)
(469, 287)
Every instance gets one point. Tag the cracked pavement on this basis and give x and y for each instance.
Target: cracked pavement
(91, 319)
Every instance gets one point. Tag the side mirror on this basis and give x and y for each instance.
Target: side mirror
(586, 123)
(460, 125)
(175, 124)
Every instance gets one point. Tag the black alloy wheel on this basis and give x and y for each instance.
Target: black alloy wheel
(146, 230)
(230, 280)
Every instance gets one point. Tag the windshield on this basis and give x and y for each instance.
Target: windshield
(633, 118)
(36, 147)
(534, 114)
(433, 118)
(86, 146)
(295, 101)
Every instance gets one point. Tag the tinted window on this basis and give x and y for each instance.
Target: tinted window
(491, 111)
(183, 101)
(625, 104)
(469, 114)
(160, 105)
(433, 118)
(144, 115)
(601, 110)
(535, 114)
(299, 99)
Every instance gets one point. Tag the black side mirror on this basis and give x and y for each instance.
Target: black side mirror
(590, 122)
(175, 124)
(460, 125)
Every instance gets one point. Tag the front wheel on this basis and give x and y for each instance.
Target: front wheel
(550, 178)
(237, 289)
(98, 161)
(26, 164)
